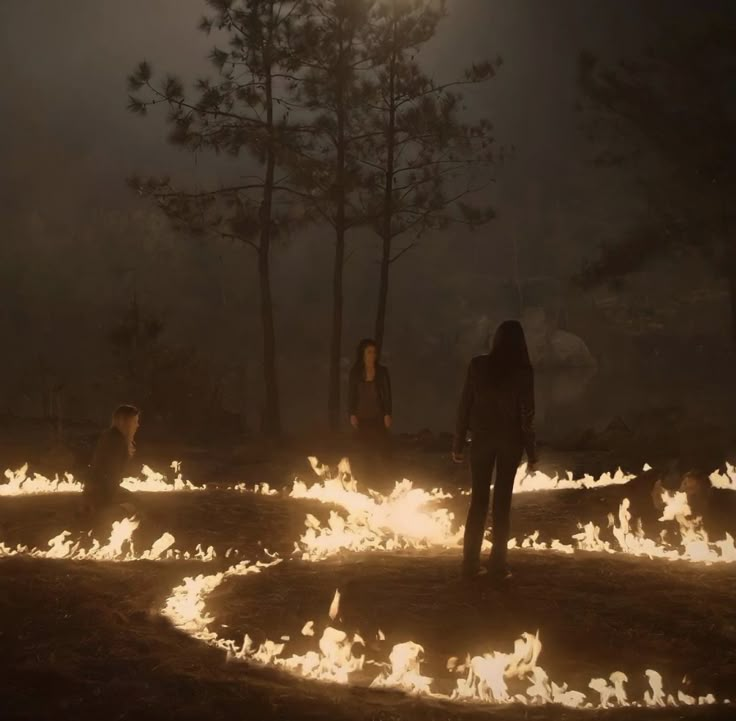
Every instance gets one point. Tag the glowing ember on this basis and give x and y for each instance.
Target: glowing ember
(261, 489)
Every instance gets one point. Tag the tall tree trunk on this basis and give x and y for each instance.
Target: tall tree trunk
(380, 329)
(517, 276)
(333, 403)
(272, 411)
(388, 209)
(271, 421)
(732, 293)
(333, 399)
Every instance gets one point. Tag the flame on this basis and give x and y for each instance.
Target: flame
(725, 480)
(335, 606)
(538, 481)
(494, 677)
(20, 483)
(155, 482)
(119, 547)
(404, 670)
(407, 517)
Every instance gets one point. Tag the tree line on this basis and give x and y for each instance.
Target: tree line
(668, 115)
(327, 106)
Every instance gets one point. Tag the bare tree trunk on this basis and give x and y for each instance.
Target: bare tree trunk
(333, 399)
(272, 411)
(333, 403)
(517, 275)
(388, 210)
(732, 295)
(57, 415)
(380, 329)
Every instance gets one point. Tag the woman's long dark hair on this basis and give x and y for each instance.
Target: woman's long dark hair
(509, 350)
(359, 364)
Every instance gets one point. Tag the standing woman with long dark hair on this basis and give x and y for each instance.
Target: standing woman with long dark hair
(497, 406)
(369, 399)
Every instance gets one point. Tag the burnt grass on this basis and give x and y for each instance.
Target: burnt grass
(85, 640)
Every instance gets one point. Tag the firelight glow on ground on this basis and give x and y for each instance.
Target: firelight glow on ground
(408, 518)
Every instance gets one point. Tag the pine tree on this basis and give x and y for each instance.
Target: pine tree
(669, 117)
(336, 87)
(243, 112)
(423, 161)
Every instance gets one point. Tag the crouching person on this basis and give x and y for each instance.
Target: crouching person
(116, 446)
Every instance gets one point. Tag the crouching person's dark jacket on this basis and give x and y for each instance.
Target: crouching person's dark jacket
(108, 466)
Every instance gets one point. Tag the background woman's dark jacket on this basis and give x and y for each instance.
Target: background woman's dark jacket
(497, 405)
(383, 389)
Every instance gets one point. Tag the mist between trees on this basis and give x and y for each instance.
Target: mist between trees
(340, 127)
(359, 205)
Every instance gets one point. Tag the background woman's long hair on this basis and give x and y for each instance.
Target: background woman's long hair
(509, 351)
(359, 364)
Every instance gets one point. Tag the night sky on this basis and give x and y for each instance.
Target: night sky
(78, 244)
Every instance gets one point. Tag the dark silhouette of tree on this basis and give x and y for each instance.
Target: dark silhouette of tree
(170, 383)
(335, 87)
(422, 160)
(135, 339)
(245, 113)
(671, 116)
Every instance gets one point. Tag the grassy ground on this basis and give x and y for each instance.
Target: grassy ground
(84, 641)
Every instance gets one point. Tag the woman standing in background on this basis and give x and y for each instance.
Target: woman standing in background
(369, 401)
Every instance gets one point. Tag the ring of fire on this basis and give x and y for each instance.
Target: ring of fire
(410, 518)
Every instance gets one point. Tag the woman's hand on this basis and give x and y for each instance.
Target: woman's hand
(354, 421)
(387, 421)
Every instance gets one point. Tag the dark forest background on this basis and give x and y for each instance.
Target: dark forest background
(103, 301)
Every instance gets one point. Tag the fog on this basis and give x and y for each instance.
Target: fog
(79, 247)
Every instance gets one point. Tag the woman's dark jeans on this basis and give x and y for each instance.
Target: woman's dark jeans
(484, 456)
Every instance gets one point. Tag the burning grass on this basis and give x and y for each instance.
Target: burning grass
(408, 518)
(596, 613)
(90, 643)
(22, 483)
